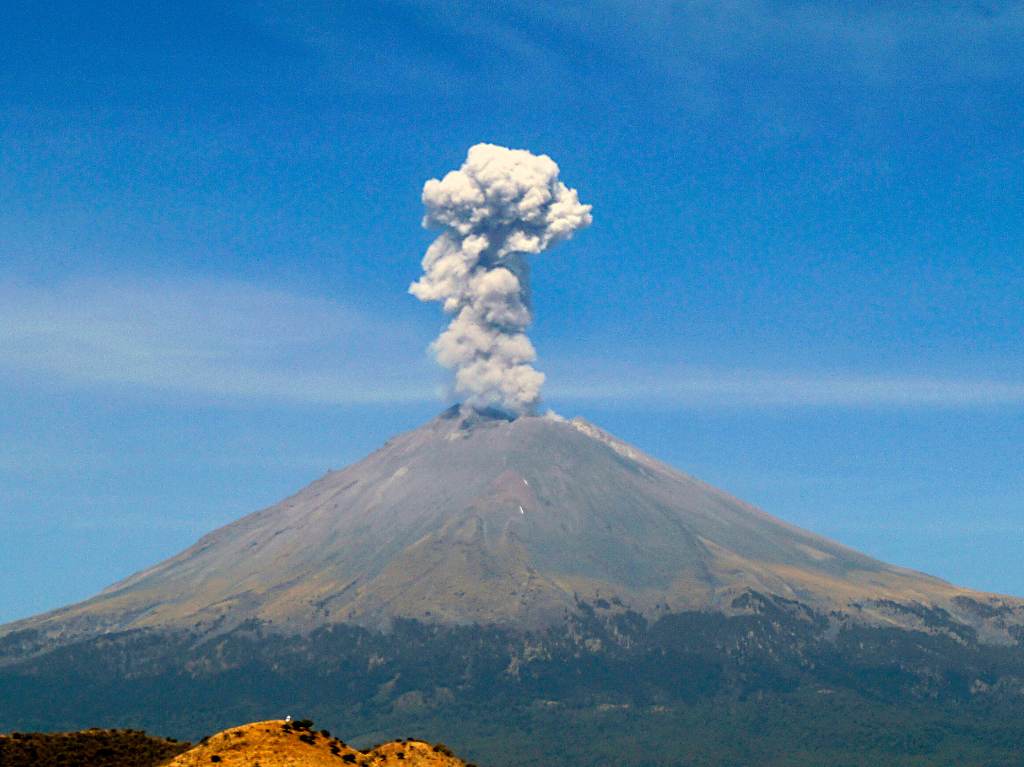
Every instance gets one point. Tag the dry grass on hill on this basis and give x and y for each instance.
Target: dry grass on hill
(276, 743)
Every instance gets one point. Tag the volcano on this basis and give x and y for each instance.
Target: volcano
(535, 591)
(478, 519)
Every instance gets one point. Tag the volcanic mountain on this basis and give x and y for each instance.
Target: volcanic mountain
(477, 519)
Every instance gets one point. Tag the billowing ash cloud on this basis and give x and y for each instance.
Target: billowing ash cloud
(501, 205)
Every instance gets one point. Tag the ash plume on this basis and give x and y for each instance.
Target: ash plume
(500, 206)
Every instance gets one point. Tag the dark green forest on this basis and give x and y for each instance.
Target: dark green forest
(781, 686)
(90, 748)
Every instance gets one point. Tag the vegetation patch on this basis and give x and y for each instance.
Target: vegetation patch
(88, 748)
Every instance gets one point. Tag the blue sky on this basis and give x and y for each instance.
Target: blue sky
(803, 282)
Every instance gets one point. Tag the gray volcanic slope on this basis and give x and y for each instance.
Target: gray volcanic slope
(476, 519)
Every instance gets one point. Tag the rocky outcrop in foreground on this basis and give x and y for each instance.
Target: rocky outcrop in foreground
(277, 743)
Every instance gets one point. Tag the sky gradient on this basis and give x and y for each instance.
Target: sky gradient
(802, 284)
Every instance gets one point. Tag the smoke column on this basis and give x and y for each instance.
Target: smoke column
(500, 206)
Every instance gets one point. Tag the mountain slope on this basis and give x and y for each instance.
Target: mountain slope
(473, 518)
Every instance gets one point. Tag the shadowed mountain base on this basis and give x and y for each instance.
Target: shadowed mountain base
(775, 687)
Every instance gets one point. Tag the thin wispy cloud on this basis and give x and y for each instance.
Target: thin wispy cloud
(209, 338)
(883, 44)
(879, 42)
(949, 42)
(242, 342)
(763, 389)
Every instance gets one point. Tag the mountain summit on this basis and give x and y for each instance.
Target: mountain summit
(477, 519)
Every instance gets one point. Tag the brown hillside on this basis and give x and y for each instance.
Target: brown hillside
(276, 743)
(88, 748)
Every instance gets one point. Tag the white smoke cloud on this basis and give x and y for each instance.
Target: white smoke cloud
(500, 206)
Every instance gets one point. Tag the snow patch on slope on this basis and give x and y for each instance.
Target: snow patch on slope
(585, 427)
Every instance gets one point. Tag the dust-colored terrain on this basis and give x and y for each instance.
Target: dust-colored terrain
(277, 743)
